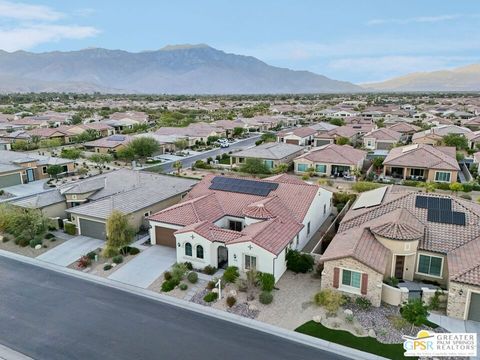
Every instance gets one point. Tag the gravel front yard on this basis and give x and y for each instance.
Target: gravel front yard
(27, 250)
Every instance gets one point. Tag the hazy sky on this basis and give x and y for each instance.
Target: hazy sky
(358, 41)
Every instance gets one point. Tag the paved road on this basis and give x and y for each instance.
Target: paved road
(187, 162)
(48, 315)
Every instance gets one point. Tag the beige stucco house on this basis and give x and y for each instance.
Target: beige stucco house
(427, 241)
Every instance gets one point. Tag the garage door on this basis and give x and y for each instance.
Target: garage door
(474, 309)
(291, 141)
(92, 229)
(384, 146)
(319, 142)
(10, 180)
(164, 236)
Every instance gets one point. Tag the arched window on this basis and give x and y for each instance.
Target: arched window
(200, 251)
(188, 249)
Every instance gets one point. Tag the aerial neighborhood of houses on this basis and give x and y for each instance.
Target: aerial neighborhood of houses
(364, 207)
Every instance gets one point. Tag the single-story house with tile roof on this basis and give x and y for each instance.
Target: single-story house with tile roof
(404, 127)
(422, 162)
(429, 240)
(243, 222)
(136, 194)
(352, 132)
(473, 139)
(298, 136)
(109, 144)
(272, 154)
(435, 135)
(381, 139)
(473, 123)
(19, 167)
(51, 203)
(61, 133)
(330, 160)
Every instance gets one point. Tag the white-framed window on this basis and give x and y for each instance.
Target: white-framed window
(430, 265)
(44, 169)
(369, 143)
(302, 167)
(321, 168)
(250, 262)
(188, 249)
(200, 251)
(235, 225)
(351, 279)
(442, 176)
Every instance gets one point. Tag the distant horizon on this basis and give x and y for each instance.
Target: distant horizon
(360, 42)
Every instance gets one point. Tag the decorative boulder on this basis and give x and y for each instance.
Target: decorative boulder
(114, 264)
(232, 293)
(317, 318)
(38, 246)
(215, 290)
(371, 333)
(252, 307)
(348, 312)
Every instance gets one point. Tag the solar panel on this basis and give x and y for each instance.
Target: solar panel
(446, 216)
(421, 202)
(243, 186)
(458, 218)
(116, 138)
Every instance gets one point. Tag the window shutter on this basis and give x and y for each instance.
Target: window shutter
(363, 289)
(336, 277)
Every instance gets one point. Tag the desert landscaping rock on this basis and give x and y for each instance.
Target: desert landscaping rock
(244, 310)
(348, 312)
(317, 318)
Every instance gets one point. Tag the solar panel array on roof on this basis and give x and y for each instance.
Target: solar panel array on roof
(440, 210)
(116, 138)
(242, 186)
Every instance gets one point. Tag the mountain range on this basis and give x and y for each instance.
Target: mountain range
(194, 69)
(185, 69)
(466, 78)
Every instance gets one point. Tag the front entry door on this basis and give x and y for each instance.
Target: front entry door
(30, 175)
(399, 262)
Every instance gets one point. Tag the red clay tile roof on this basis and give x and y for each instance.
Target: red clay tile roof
(385, 134)
(404, 127)
(464, 263)
(360, 245)
(400, 224)
(423, 156)
(335, 154)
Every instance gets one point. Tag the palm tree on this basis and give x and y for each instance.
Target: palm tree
(178, 165)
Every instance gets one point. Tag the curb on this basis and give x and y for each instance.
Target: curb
(222, 315)
(9, 354)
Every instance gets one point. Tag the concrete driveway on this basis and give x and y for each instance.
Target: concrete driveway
(146, 266)
(71, 250)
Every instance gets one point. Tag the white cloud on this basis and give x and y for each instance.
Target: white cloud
(420, 19)
(29, 36)
(26, 26)
(22, 11)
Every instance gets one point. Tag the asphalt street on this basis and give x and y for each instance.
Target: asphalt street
(188, 161)
(49, 315)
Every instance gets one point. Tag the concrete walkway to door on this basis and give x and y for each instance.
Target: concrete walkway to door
(71, 250)
(147, 266)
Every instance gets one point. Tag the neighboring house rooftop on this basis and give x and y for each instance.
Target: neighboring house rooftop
(384, 134)
(404, 127)
(110, 142)
(271, 151)
(16, 157)
(41, 200)
(335, 154)
(423, 156)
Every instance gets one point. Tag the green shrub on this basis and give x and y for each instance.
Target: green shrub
(110, 252)
(349, 318)
(22, 242)
(134, 251)
(362, 186)
(398, 322)
(231, 301)
(209, 270)
(107, 267)
(231, 274)
(83, 262)
(91, 255)
(265, 297)
(242, 285)
(49, 236)
(70, 229)
(5, 238)
(183, 286)
(35, 242)
(329, 299)
(211, 296)
(267, 281)
(178, 272)
(363, 303)
(413, 183)
(434, 302)
(211, 285)
(415, 312)
(168, 285)
(392, 281)
(167, 275)
(117, 259)
(189, 265)
(192, 277)
(298, 262)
